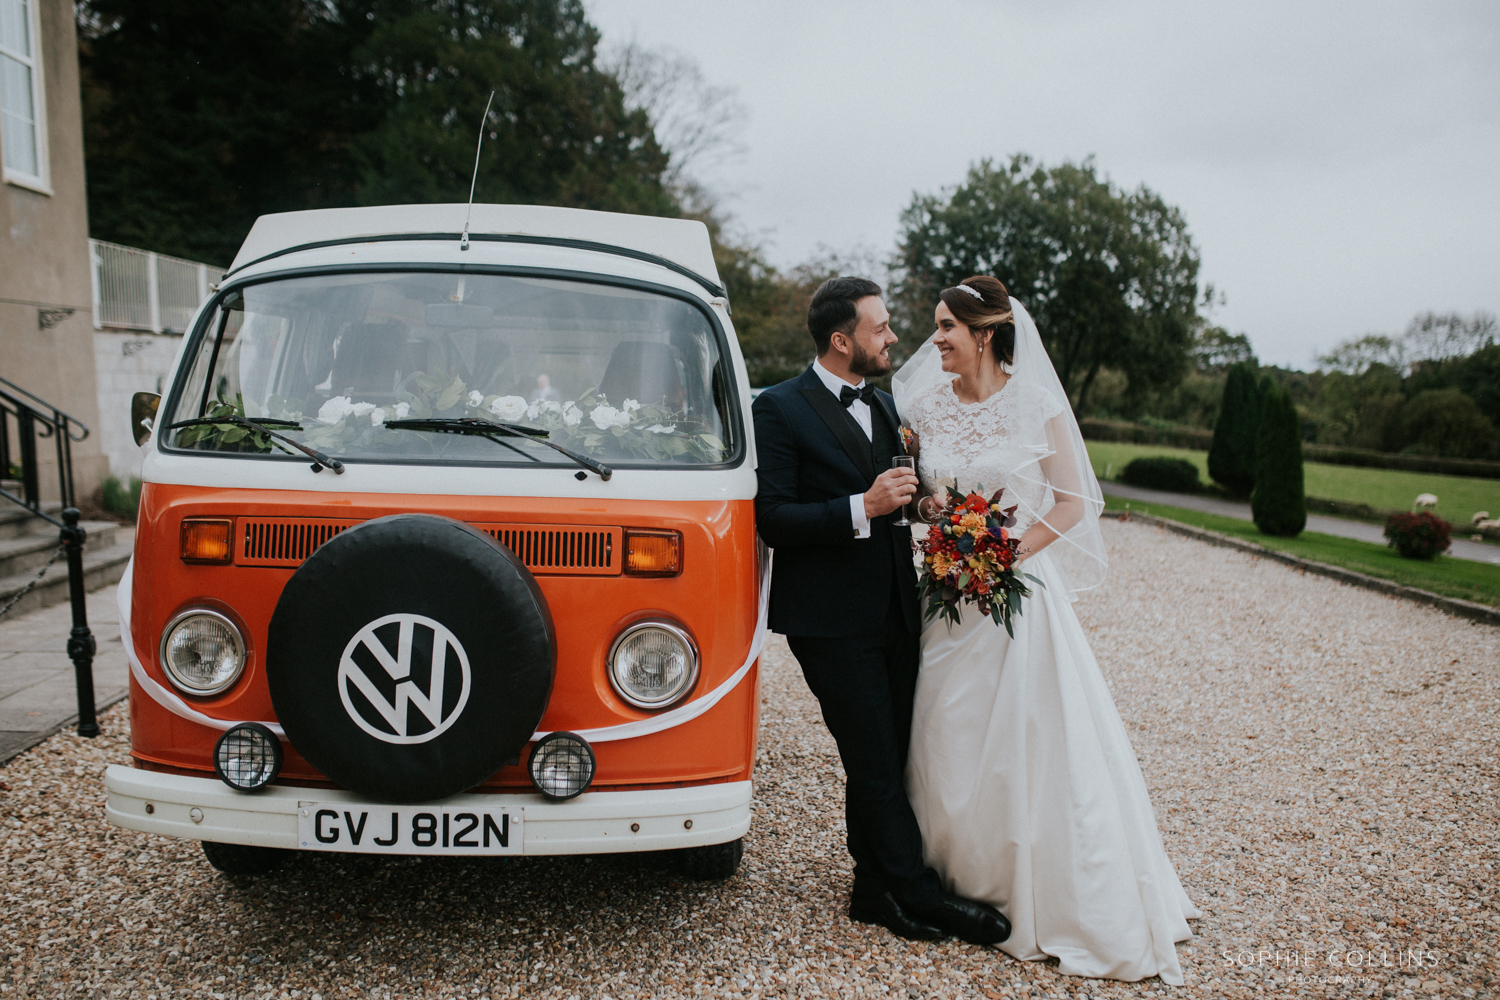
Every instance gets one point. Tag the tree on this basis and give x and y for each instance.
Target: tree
(1352, 357)
(1110, 276)
(1231, 456)
(1476, 376)
(201, 117)
(558, 134)
(1448, 423)
(696, 122)
(1215, 350)
(1279, 503)
(1443, 336)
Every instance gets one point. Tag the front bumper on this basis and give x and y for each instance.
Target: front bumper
(593, 823)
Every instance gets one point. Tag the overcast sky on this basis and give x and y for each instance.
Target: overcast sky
(1337, 164)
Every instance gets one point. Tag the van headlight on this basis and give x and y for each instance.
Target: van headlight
(653, 664)
(202, 651)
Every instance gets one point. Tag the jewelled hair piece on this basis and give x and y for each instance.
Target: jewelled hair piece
(972, 291)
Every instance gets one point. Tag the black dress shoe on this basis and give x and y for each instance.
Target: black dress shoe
(970, 920)
(885, 911)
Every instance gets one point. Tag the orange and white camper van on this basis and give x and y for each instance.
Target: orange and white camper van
(447, 546)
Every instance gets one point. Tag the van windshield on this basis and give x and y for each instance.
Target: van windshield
(622, 375)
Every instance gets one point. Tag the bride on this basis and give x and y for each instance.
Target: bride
(1023, 781)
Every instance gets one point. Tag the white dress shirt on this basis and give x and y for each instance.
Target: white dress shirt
(860, 411)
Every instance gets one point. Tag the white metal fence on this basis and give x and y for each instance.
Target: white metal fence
(140, 290)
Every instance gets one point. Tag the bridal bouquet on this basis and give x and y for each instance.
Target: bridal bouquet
(969, 556)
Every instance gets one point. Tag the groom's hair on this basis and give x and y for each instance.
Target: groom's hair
(833, 308)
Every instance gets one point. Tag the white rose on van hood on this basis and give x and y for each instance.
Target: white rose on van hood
(476, 398)
(377, 417)
(509, 408)
(335, 409)
(606, 416)
(572, 415)
(402, 409)
(662, 428)
(630, 406)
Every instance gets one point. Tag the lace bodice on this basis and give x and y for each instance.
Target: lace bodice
(992, 444)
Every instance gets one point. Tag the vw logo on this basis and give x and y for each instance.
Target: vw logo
(404, 678)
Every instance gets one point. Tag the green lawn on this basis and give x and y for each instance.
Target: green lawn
(1459, 497)
(1472, 581)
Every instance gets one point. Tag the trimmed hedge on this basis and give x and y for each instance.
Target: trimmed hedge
(1333, 455)
(1231, 456)
(1158, 472)
(1194, 439)
(1190, 438)
(1418, 536)
(1279, 503)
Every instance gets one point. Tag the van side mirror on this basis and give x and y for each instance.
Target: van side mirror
(143, 414)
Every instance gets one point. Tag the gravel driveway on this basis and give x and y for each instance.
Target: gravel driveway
(1322, 761)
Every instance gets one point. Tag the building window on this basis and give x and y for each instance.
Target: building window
(23, 134)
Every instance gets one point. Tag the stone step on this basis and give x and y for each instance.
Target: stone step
(28, 552)
(16, 520)
(101, 567)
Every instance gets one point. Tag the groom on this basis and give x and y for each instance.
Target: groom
(843, 592)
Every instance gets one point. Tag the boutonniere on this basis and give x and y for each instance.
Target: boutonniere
(907, 437)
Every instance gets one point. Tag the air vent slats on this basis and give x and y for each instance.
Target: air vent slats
(545, 549)
(284, 541)
(560, 549)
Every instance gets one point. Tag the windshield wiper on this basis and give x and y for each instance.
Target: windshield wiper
(489, 429)
(264, 425)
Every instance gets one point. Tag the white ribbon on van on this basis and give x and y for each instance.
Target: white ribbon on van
(695, 708)
(167, 699)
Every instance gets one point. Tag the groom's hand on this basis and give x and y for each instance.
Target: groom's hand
(893, 489)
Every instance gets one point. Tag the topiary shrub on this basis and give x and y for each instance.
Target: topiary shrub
(1417, 536)
(1231, 456)
(1158, 472)
(1279, 503)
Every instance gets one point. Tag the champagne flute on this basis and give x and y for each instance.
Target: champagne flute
(903, 462)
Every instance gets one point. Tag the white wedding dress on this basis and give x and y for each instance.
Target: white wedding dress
(1021, 774)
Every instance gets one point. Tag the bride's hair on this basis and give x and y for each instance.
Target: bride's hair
(989, 311)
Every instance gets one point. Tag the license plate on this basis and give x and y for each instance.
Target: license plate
(462, 829)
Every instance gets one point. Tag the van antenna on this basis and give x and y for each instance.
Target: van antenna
(463, 244)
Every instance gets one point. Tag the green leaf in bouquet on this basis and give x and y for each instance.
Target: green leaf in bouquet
(963, 581)
(450, 396)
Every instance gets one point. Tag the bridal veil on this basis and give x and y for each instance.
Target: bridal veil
(1055, 458)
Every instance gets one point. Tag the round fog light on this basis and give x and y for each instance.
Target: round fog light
(247, 757)
(562, 765)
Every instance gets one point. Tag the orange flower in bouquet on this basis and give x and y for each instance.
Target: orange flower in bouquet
(968, 557)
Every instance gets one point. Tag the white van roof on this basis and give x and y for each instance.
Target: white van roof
(682, 241)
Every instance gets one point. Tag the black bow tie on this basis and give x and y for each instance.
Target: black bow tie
(848, 394)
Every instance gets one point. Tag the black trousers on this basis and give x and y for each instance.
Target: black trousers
(866, 685)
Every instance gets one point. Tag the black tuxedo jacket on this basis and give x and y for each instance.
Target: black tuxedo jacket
(813, 456)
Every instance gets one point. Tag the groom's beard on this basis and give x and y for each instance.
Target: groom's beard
(867, 365)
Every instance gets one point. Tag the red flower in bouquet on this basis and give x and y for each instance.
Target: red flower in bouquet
(969, 556)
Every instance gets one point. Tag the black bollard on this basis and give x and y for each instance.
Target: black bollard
(81, 646)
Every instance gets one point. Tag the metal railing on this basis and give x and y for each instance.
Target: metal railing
(36, 418)
(140, 290)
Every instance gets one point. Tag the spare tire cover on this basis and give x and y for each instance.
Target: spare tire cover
(410, 657)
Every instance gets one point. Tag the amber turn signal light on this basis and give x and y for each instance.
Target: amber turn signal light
(653, 553)
(207, 540)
